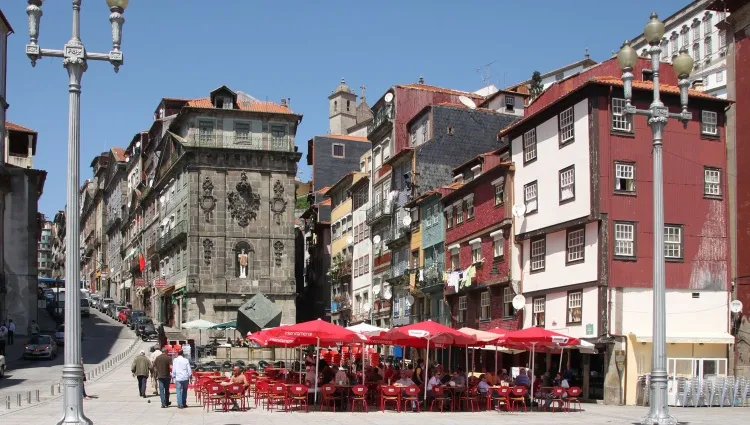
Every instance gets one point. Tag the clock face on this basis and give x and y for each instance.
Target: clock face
(278, 205)
(207, 203)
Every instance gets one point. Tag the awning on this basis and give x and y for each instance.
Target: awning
(693, 338)
(127, 284)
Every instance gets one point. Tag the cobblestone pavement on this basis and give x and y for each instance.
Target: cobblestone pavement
(118, 402)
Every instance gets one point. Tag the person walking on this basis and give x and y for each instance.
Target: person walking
(155, 352)
(11, 332)
(181, 372)
(162, 364)
(140, 369)
(83, 383)
(33, 328)
(3, 333)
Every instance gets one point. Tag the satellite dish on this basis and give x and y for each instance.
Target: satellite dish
(388, 294)
(406, 221)
(162, 199)
(127, 159)
(735, 306)
(367, 307)
(137, 144)
(376, 290)
(516, 287)
(388, 97)
(376, 239)
(467, 102)
(519, 210)
(349, 240)
(519, 301)
(410, 299)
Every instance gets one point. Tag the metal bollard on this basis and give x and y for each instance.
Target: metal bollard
(37, 396)
(52, 389)
(28, 397)
(18, 400)
(7, 402)
(58, 388)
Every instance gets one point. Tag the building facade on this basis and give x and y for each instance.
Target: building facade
(45, 259)
(581, 166)
(362, 273)
(694, 27)
(93, 254)
(114, 202)
(559, 74)
(59, 236)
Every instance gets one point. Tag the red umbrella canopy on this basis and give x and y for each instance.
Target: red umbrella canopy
(540, 337)
(263, 338)
(418, 334)
(312, 333)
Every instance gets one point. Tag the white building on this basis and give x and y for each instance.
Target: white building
(540, 164)
(362, 273)
(555, 75)
(694, 27)
(506, 102)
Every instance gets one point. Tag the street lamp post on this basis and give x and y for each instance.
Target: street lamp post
(74, 57)
(658, 115)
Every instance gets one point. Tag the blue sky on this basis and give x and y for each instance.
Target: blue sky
(295, 49)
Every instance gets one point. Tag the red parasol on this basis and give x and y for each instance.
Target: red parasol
(540, 337)
(418, 334)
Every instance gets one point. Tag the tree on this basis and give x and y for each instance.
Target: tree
(536, 84)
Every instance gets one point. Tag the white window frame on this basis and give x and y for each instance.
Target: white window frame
(455, 259)
(538, 311)
(712, 182)
(462, 306)
(508, 296)
(696, 52)
(567, 126)
(567, 184)
(537, 254)
(498, 244)
(673, 242)
(378, 158)
(343, 150)
(624, 239)
(575, 301)
(500, 193)
(510, 102)
(485, 305)
(243, 136)
(459, 212)
(529, 146)
(620, 120)
(575, 245)
(469, 201)
(476, 253)
(707, 48)
(531, 197)
(449, 217)
(709, 123)
(625, 172)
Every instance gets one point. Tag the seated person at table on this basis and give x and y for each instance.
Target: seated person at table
(341, 376)
(326, 375)
(434, 381)
(446, 378)
(390, 373)
(504, 376)
(418, 375)
(483, 386)
(523, 379)
(238, 377)
(561, 382)
(491, 379)
(373, 375)
(309, 376)
(458, 378)
(536, 388)
(405, 381)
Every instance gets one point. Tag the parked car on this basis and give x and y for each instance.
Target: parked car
(113, 310)
(60, 335)
(85, 307)
(105, 303)
(134, 316)
(145, 328)
(95, 300)
(39, 347)
(122, 315)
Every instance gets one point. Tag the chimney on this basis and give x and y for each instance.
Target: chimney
(421, 79)
(283, 102)
(587, 54)
(698, 85)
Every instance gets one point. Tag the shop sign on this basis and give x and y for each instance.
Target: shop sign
(140, 282)
(160, 283)
(589, 329)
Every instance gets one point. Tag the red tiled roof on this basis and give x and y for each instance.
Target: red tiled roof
(323, 190)
(649, 85)
(119, 154)
(427, 87)
(15, 127)
(347, 137)
(326, 201)
(255, 106)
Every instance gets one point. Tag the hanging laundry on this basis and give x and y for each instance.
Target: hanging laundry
(453, 280)
(421, 275)
(468, 275)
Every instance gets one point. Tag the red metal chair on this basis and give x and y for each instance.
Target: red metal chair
(262, 388)
(574, 396)
(411, 395)
(470, 398)
(557, 397)
(390, 394)
(199, 389)
(440, 397)
(499, 396)
(329, 397)
(298, 396)
(518, 396)
(277, 396)
(359, 395)
(236, 393)
(214, 397)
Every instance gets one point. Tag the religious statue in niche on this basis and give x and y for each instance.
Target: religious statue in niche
(208, 246)
(208, 201)
(244, 203)
(242, 259)
(278, 203)
(278, 248)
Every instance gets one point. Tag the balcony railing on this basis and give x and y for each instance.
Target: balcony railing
(113, 222)
(381, 209)
(21, 161)
(233, 140)
(172, 237)
(400, 235)
(432, 277)
(381, 116)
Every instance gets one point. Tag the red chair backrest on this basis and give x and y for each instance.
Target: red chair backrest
(574, 391)
(262, 385)
(327, 389)
(298, 389)
(437, 390)
(235, 389)
(359, 390)
(519, 391)
(214, 389)
(558, 391)
(278, 389)
(503, 391)
(413, 390)
(390, 390)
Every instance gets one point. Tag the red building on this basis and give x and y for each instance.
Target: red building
(478, 227)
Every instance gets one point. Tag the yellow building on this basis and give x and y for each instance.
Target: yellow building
(342, 247)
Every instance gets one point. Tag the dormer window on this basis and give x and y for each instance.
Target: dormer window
(510, 103)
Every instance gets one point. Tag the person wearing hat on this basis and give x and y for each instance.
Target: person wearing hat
(162, 365)
(141, 368)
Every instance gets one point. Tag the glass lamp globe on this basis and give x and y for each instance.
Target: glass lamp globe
(123, 4)
(654, 30)
(627, 56)
(683, 64)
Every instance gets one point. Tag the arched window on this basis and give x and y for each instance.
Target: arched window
(251, 266)
(347, 106)
(335, 105)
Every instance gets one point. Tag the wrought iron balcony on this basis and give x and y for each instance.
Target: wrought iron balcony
(113, 222)
(380, 118)
(378, 211)
(400, 236)
(443, 319)
(254, 141)
(134, 264)
(432, 278)
(173, 236)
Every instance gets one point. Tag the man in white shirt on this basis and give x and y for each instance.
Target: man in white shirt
(181, 373)
(155, 352)
(405, 381)
(434, 381)
(11, 332)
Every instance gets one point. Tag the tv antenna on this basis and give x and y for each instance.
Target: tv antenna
(485, 72)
